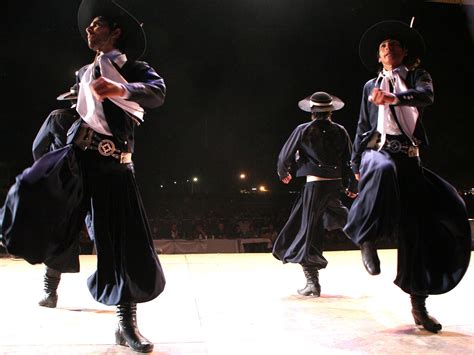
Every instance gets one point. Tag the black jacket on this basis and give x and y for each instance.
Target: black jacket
(419, 94)
(321, 148)
(146, 88)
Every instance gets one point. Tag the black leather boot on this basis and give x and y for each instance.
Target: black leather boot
(312, 282)
(127, 332)
(370, 257)
(51, 282)
(421, 316)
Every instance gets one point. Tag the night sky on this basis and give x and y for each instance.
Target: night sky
(235, 70)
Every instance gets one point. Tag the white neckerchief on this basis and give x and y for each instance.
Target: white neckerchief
(407, 115)
(89, 108)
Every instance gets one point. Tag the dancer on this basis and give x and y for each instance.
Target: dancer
(320, 150)
(95, 174)
(397, 196)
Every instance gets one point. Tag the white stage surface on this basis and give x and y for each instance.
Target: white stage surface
(242, 304)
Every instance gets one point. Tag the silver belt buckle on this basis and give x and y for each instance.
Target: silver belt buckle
(106, 147)
(394, 146)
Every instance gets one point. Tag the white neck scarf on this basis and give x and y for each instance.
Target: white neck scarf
(407, 115)
(90, 109)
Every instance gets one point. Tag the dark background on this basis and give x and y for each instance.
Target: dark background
(235, 70)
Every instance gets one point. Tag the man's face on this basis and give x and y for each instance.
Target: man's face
(391, 54)
(100, 37)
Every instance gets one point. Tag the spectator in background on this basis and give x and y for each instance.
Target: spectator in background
(174, 232)
(199, 232)
(251, 231)
(269, 232)
(236, 232)
(220, 231)
(244, 224)
(155, 230)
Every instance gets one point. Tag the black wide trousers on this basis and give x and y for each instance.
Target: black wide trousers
(398, 197)
(318, 209)
(47, 205)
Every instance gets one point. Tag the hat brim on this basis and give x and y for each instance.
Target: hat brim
(305, 105)
(71, 94)
(133, 38)
(67, 96)
(371, 39)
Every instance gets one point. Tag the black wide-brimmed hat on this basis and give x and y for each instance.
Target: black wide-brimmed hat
(321, 102)
(133, 38)
(391, 29)
(70, 95)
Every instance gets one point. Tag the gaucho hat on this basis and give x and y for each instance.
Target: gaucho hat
(133, 38)
(321, 102)
(391, 29)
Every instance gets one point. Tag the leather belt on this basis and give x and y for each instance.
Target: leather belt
(86, 138)
(395, 146)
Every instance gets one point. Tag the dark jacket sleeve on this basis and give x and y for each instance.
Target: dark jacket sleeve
(348, 178)
(420, 93)
(287, 158)
(145, 86)
(364, 128)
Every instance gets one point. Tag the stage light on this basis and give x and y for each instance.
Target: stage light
(193, 182)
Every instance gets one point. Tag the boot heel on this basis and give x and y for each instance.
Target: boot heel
(304, 291)
(119, 339)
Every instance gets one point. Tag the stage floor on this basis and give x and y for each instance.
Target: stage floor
(245, 304)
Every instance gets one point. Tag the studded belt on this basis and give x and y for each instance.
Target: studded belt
(395, 146)
(86, 138)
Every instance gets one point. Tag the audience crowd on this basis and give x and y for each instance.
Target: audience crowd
(216, 217)
(191, 217)
(220, 216)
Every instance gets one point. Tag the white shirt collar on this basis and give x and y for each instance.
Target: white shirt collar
(116, 56)
(402, 71)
